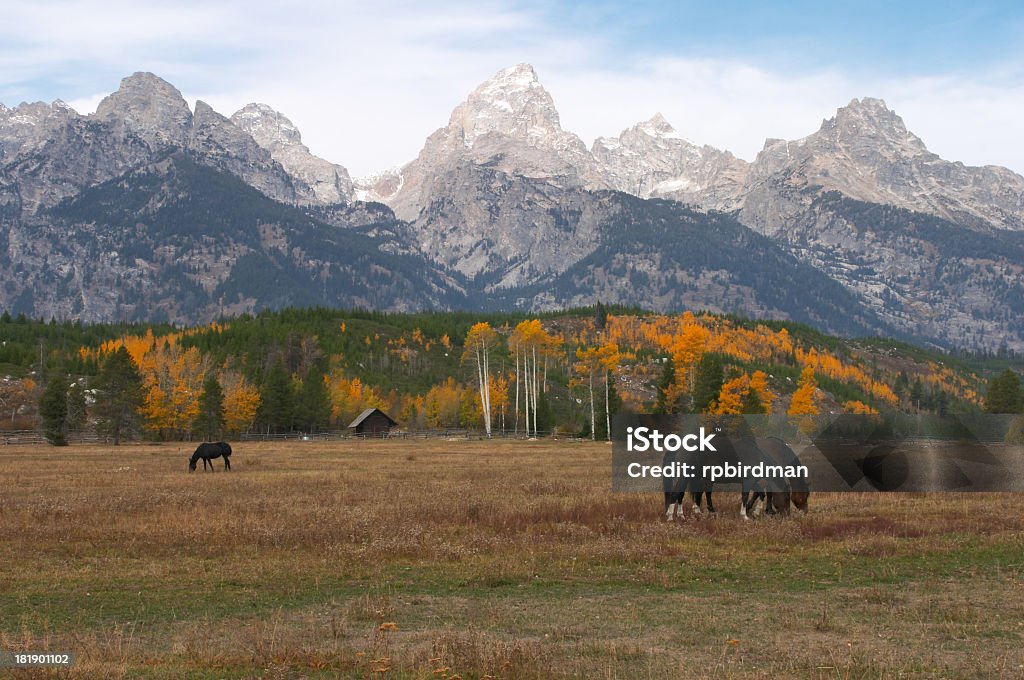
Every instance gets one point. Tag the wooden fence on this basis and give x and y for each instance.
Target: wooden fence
(35, 437)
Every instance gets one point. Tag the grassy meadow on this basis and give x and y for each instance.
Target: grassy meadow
(473, 559)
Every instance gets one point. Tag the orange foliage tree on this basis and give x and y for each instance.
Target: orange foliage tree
(241, 400)
(803, 403)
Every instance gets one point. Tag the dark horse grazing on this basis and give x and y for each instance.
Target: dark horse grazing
(699, 488)
(776, 495)
(208, 451)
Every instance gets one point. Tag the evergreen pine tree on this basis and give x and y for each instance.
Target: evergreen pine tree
(545, 418)
(313, 405)
(277, 404)
(77, 411)
(668, 379)
(209, 423)
(916, 394)
(119, 396)
(600, 317)
(53, 408)
(752, 403)
(1004, 394)
(708, 383)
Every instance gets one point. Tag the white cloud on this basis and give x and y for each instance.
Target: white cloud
(366, 83)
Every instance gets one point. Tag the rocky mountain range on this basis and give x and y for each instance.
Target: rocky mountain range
(151, 209)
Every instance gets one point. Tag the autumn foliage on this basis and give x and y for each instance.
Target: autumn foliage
(506, 376)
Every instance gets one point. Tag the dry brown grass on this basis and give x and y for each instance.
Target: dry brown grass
(501, 559)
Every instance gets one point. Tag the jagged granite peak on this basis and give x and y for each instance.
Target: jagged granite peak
(867, 153)
(652, 159)
(222, 144)
(269, 127)
(511, 103)
(272, 130)
(149, 106)
(510, 123)
(27, 123)
(659, 128)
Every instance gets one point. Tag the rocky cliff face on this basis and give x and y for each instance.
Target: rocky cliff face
(651, 159)
(329, 183)
(501, 230)
(219, 143)
(509, 123)
(52, 152)
(866, 153)
(27, 123)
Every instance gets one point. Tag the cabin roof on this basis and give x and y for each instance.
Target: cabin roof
(366, 414)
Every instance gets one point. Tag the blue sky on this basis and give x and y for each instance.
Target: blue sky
(367, 82)
(905, 36)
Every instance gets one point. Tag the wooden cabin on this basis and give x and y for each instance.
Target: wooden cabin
(372, 423)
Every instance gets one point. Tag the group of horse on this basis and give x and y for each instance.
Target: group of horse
(775, 496)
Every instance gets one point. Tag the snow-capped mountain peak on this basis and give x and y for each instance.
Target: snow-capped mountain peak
(267, 126)
(511, 103)
(660, 128)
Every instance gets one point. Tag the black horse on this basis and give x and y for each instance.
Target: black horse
(208, 451)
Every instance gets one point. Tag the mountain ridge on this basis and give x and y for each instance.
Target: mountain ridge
(502, 206)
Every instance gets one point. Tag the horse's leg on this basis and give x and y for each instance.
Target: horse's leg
(743, 504)
(769, 503)
(750, 500)
(670, 506)
(759, 496)
(696, 502)
(711, 505)
(784, 505)
(227, 463)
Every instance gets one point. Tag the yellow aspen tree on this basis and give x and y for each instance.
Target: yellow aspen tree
(499, 398)
(803, 399)
(588, 363)
(759, 384)
(241, 400)
(859, 408)
(687, 351)
(730, 398)
(480, 342)
(527, 342)
(609, 357)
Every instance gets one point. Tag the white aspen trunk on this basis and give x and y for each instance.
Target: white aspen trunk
(519, 379)
(535, 391)
(593, 420)
(526, 390)
(481, 376)
(607, 407)
(545, 374)
(487, 393)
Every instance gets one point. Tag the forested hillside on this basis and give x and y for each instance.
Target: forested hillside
(315, 369)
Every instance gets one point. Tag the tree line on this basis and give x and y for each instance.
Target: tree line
(311, 370)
